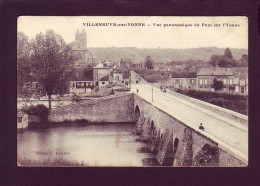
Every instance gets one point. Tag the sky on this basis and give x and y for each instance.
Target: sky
(156, 33)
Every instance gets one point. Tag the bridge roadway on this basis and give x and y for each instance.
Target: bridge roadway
(233, 139)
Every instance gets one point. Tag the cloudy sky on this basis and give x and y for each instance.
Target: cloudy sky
(148, 36)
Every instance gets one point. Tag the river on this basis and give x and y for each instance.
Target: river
(91, 145)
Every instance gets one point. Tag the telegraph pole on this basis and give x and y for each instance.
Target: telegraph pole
(152, 92)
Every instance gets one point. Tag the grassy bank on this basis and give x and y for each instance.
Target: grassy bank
(234, 102)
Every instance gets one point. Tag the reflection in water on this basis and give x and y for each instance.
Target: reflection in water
(93, 145)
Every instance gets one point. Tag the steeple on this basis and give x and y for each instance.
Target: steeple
(82, 38)
(77, 35)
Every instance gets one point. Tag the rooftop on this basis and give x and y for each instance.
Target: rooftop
(101, 65)
(221, 71)
(105, 78)
(79, 74)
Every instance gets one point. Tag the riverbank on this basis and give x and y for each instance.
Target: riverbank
(50, 163)
(79, 122)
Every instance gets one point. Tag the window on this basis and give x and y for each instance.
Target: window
(225, 81)
(236, 89)
(242, 81)
(230, 81)
(20, 119)
(201, 81)
(242, 90)
(206, 81)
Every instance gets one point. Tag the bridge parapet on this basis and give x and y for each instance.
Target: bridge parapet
(225, 114)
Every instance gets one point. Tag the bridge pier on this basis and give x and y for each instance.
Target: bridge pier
(146, 133)
(139, 124)
(165, 155)
(187, 148)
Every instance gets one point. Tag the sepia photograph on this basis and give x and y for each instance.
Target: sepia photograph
(132, 91)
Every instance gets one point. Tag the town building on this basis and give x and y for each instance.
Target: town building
(81, 82)
(101, 70)
(22, 121)
(179, 83)
(235, 80)
(121, 73)
(103, 82)
(135, 77)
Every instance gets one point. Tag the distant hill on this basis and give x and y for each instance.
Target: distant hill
(161, 54)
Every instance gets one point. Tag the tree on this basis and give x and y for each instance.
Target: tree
(228, 53)
(217, 85)
(88, 72)
(149, 64)
(222, 61)
(50, 63)
(23, 65)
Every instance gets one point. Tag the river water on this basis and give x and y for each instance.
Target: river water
(92, 145)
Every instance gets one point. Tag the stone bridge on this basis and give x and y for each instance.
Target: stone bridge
(170, 125)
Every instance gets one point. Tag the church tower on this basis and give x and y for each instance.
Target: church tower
(79, 46)
(82, 38)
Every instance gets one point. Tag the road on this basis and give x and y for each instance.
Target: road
(225, 134)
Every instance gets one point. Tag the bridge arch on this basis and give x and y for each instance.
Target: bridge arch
(137, 111)
(207, 156)
(152, 126)
(175, 146)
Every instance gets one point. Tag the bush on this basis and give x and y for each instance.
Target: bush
(39, 110)
(76, 98)
(235, 102)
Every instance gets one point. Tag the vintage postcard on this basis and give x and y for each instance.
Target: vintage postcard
(132, 91)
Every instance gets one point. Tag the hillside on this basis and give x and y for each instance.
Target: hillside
(161, 54)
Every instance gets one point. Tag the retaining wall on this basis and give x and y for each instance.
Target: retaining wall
(115, 108)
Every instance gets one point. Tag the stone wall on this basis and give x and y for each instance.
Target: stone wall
(115, 108)
(176, 144)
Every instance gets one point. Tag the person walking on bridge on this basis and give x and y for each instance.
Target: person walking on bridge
(201, 127)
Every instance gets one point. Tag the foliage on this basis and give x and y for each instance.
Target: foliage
(228, 53)
(235, 102)
(227, 60)
(222, 61)
(88, 73)
(39, 110)
(76, 98)
(23, 65)
(50, 63)
(217, 85)
(149, 63)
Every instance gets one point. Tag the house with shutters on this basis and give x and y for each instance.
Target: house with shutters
(235, 80)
